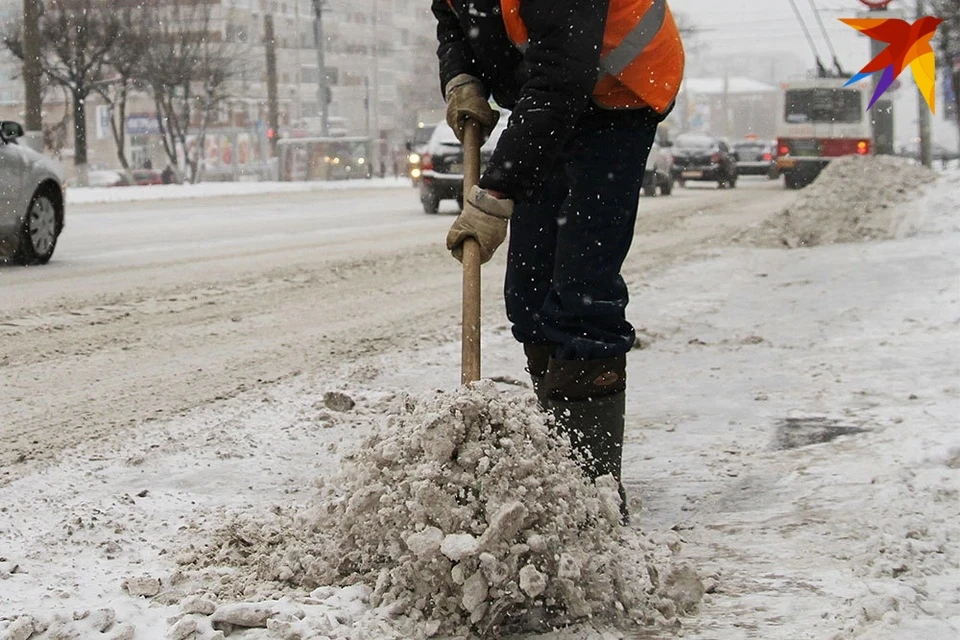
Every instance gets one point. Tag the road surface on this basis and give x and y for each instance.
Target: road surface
(151, 309)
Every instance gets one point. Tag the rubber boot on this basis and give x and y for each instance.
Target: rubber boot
(538, 357)
(588, 401)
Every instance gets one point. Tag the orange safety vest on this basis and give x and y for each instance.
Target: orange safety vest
(642, 59)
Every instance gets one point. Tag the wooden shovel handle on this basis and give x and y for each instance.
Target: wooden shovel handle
(470, 340)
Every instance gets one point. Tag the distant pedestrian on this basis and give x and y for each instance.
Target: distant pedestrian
(167, 175)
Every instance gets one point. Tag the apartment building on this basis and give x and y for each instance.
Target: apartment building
(380, 61)
(11, 88)
(376, 56)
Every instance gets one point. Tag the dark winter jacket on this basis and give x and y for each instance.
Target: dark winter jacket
(548, 88)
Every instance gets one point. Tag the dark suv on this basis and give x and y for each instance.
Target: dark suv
(442, 165)
(702, 157)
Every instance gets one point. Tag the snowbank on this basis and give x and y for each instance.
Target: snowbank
(852, 200)
(462, 515)
(791, 430)
(91, 195)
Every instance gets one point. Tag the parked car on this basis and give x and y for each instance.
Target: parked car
(442, 165)
(31, 200)
(104, 178)
(659, 170)
(147, 176)
(756, 157)
(702, 157)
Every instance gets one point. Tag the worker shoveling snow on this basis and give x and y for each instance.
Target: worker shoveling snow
(462, 515)
(852, 200)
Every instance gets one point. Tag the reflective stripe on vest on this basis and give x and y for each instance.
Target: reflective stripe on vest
(652, 81)
(638, 39)
(516, 30)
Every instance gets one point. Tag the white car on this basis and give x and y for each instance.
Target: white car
(659, 170)
(31, 200)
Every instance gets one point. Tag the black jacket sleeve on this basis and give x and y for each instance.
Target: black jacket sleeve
(453, 50)
(561, 66)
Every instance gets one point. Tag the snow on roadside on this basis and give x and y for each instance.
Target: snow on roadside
(462, 514)
(136, 518)
(96, 195)
(852, 200)
(806, 448)
(791, 432)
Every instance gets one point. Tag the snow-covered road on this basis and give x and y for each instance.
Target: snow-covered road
(154, 308)
(791, 414)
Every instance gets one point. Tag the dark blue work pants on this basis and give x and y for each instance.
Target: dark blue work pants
(568, 241)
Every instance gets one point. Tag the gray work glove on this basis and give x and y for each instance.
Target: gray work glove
(484, 218)
(466, 98)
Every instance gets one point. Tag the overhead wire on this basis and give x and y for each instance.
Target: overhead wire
(826, 36)
(821, 70)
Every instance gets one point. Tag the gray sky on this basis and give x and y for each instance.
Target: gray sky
(768, 26)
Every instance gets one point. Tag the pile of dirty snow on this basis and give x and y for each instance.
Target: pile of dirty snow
(461, 515)
(852, 200)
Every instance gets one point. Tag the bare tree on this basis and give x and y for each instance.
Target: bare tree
(127, 61)
(76, 38)
(56, 134)
(188, 70)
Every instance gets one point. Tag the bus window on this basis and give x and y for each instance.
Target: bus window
(823, 105)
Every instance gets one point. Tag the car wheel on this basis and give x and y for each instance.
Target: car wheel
(650, 190)
(666, 187)
(38, 235)
(431, 203)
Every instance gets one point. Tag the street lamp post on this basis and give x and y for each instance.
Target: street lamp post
(375, 150)
(32, 74)
(883, 117)
(322, 89)
(924, 115)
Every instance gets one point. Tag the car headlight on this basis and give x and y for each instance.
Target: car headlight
(414, 158)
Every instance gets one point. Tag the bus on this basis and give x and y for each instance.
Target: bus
(818, 120)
